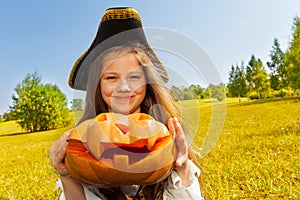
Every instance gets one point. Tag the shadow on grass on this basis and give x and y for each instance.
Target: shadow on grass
(262, 101)
(15, 134)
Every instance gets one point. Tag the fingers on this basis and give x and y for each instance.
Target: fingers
(59, 145)
(177, 125)
(58, 151)
(61, 139)
(171, 127)
(178, 134)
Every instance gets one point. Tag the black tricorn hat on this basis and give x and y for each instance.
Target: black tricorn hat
(119, 26)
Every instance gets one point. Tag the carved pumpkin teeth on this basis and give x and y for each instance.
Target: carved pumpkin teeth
(151, 142)
(121, 161)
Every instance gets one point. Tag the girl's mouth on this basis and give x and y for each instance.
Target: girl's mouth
(123, 98)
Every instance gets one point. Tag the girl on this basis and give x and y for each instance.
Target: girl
(128, 79)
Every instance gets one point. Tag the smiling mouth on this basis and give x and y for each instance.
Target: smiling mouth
(121, 98)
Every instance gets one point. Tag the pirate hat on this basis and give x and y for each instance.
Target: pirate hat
(119, 26)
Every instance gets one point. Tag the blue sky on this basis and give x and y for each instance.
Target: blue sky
(48, 36)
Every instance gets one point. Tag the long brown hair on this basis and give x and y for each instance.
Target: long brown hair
(158, 102)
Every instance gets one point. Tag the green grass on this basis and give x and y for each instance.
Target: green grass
(9, 128)
(26, 172)
(256, 157)
(258, 153)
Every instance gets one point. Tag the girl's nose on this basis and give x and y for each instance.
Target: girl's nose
(123, 85)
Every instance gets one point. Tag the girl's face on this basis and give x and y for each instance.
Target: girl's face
(123, 85)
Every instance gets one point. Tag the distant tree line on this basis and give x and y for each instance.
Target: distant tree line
(76, 104)
(217, 92)
(280, 77)
(253, 80)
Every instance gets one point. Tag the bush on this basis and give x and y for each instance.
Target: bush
(281, 93)
(253, 95)
(297, 92)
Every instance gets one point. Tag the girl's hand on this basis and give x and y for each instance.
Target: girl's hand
(71, 188)
(181, 164)
(180, 141)
(57, 154)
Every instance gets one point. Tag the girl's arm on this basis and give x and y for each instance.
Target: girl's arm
(175, 186)
(71, 188)
(183, 182)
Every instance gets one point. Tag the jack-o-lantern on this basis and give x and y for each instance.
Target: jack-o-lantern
(113, 150)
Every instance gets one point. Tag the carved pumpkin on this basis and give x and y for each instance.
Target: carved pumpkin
(114, 150)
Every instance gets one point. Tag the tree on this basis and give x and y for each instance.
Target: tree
(188, 93)
(237, 86)
(292, 59)
(278, 76)
(39, 107)
(257, 77)
(198, 91)
(217, 91)
(207, 93)
(7, 116)
(77, 104)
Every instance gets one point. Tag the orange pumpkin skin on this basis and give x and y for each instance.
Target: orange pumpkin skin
(101, 153)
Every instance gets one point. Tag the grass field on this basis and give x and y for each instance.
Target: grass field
(258, 154)
(256, 157)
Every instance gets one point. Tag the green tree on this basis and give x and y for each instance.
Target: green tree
(198, 91)
(39, 107)
(292, 59)
(278, 75)
(188, 93)
(257, 77)
(7, 116)
(237, 86)
(77, 104)
(217, 91)
(207, 93)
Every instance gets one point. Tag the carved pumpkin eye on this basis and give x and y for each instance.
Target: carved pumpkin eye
(124, 128)
(114, 150)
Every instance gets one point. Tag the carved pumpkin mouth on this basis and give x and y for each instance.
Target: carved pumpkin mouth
(120, 156)
(130, 154)
(120, 150)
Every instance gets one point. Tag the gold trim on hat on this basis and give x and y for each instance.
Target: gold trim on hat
(125, 13)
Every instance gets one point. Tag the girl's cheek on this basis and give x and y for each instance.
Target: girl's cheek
(108, 88)
(139, 87)
(139, 90)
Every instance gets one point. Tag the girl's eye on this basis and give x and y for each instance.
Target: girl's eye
(111, 78)
(134, 77)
